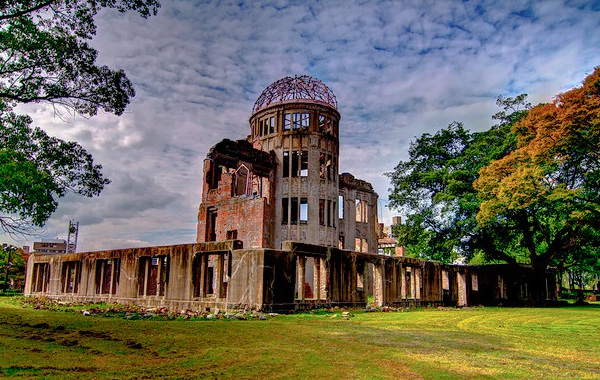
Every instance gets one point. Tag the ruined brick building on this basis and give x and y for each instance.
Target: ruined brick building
(278, 228)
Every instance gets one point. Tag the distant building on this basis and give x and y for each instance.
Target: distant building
(51, 246)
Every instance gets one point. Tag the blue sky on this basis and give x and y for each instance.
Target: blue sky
(398, 68)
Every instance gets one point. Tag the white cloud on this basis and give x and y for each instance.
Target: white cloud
(398, 68)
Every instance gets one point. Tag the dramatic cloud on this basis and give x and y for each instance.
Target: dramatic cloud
(398, 68)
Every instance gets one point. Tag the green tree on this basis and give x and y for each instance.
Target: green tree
(12, 266)
(434, 186)
(45, 57)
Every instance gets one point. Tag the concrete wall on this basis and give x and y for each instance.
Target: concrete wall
(268, 279)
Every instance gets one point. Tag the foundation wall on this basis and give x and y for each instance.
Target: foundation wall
(205, 276)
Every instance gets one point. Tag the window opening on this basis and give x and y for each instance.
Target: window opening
(322, 212)
(70, 276)
(287, 122)
(296, 118)
(341, 207)
(303, 210)
(294, 211)
(211, 224)
(286, 164)
(295, 163)
(41, 277)
(153, 275)
(241, 180)
(304, 164)
(305, 121)
(284, 209)
(272, 124)
(107, 275)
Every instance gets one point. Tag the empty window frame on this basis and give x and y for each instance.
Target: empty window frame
(303, 164)
(329, 212)
(70, 276)
(325, 124)
(286, 164)
(287, 122)
(326, 166)
(294, 210)
(41, 277)
(241, 181)
(213, 176)
(297, 211)
(211, 274)
(211, 224)
(361, 245)
(295, 163)
(303, 210)
(107, 275)
(322, 212)
(362, 214)
(267, 126)
(285, 210)
(300, 121)
(341, 207)
(153, 275)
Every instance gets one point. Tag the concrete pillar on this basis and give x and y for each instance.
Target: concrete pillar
(219, 277)
(300, 280)
(462, 289)
(378, 286)
(323, 279)
(418, 274)
(413, 293)
(316, 279)
(403, 283)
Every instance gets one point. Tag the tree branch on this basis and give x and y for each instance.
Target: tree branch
(25, 11)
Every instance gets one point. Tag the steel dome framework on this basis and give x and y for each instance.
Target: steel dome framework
(295, 88)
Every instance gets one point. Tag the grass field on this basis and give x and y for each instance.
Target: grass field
(482, 343)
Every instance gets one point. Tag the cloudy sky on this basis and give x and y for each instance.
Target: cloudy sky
(398, 68)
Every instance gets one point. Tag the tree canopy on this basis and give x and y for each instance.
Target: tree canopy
(525, 191)
(45, 57)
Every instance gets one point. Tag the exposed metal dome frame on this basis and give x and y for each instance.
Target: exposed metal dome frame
(301, 87)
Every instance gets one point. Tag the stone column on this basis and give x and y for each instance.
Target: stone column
(323, 281)
(462, 289)
(378, 286)
(301, 275)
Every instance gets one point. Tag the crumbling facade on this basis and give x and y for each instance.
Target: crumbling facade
(278, 229)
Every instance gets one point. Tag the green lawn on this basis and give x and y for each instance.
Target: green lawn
(484, 343)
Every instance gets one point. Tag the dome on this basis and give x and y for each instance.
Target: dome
(301, 87)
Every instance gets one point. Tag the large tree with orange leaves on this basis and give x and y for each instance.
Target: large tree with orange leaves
(548, 189)
(526, 191)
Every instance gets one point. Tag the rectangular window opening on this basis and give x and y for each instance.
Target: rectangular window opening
(286, 164)
(303, 210)
(295, 163)
(304, 164)
(284, 209)
(294, 210)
